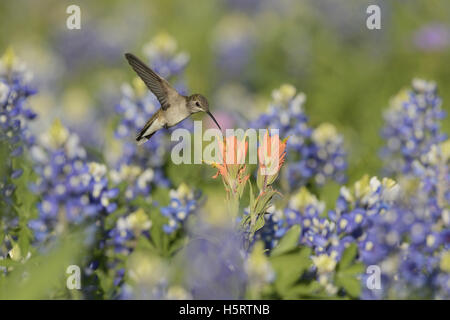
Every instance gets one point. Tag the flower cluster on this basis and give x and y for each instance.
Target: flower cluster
(141, 167)
(315, 155)
(72, 190)
(127, 229)
(14, 117)
(183, 202)
(419, 224)
(412, 126)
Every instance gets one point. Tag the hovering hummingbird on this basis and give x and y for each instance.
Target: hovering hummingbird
(174, 106)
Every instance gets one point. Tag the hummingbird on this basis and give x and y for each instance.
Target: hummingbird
(174, 106)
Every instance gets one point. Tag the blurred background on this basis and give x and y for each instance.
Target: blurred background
(239, 51)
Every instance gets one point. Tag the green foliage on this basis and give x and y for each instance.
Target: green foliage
(43, 275)
(289, 268)
(348, 272)
(289, 242)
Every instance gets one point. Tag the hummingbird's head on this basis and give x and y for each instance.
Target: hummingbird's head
(198, 103)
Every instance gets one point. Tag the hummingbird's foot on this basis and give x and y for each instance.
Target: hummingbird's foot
(166, 126)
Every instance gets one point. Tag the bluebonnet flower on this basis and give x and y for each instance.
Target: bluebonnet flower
(358, 213)
(233, 44)
(303, 209)
(15, 114)
(183, 202)
(314, 155)
(150, 276)
(73, 190)
(274, 227)
(142, 166)
(123, 237)
(127, 229)
(214, 264)
(410, 238)
(355, 219)
(412, 126)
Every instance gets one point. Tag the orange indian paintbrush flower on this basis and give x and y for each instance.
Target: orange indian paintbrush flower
(271, 154)
(233, 169)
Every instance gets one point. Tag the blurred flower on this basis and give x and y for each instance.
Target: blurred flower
(412, 126)
(231, 97)
(148, 275)
(225, 119)
(432, 37)
(15, 115)
(214, 264)
(97, 41)
(259, 270)
(233, 44)
(163, 56)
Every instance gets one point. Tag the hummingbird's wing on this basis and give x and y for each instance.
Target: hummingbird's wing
(157, 84)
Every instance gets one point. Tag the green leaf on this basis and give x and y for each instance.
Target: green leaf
(350, 283)
(347, 276)
(263, 201)
(260, 221)
(144, 243)
(288, 242)
(25, 238)
(354, 269)
(303, 290)
(289, 268)
(44, 273)
(252, 199)
(348, 256)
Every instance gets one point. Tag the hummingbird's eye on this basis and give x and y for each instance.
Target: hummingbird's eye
(197, 104)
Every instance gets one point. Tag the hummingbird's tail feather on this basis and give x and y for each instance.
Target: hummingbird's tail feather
(149, 129)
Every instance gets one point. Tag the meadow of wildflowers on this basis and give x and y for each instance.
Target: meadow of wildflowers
(140, 227)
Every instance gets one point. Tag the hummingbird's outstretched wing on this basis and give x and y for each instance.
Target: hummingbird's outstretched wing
(157, 84)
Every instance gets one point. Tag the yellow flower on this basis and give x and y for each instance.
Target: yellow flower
(146, 268)
(397, 101)
(362, 186)
(139, 87)
(445, 261)
(324, 132)
(57, 135)
(445, 149)
(9, 58)
(303, 198)
(324, 263)
(162, 42)
(285, 93)
(15, 253)
(139, 221)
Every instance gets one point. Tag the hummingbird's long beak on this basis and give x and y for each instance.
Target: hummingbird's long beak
(214, 119)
